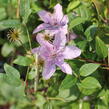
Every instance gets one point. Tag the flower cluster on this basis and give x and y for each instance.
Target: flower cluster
(53, 49)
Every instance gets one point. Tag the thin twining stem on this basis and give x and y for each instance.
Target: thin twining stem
(52, 98)
(92, 61)
(28, 37)
(18, 9)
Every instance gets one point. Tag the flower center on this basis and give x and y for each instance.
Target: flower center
(46, 37)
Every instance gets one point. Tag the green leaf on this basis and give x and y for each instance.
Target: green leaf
(11, 93)
(7, 49)
(88, 69)
(4, 2)
(40, 100)
(10, 23)
(36, 7)
(52, 3)
(2, 13)
(25, 10)
(2, 41)
(98, 4)
(80, 105)
(32, 74)
(23, 61)
(90, 32)
(85, 105)
(101, 105)
(69, 94)
(68, 82)
(86, 91)
(90, 83)
(82, 44)
(101, 49)
(2, 76)
(48, 105)
(12, 75)
(75, 104)
(85, 11)
(72, 5)
(76, 22)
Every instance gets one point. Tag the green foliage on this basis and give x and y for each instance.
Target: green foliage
(76, 22)
(89, 85)
(2, 13)
(70, 94)
(7, 49)
(73, 5)
(101, 49)
(25, 10)
(91, 32)
(12, 75)
(10, 23)
(23, 61)
(88, 69)
(33, 73)
(68, 82)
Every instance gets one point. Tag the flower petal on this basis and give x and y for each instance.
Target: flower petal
(58, 14)
(71, 52)
(36, 50)
(45, 16)
(64, 29)
(60, 40)
(45, 51)
(41, 27)
(64, 67)
(64, 20)
(41, 39)
(48, 70)
(71, 36)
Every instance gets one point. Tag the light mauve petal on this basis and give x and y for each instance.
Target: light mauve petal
(64, 67)
(48, 70)
(60, 40)
(71, 52)
(65, 20)
(64, 29)
(36, 50)
(71, 36)
(45, 16)
(53, 31)
(45, 51)
(41, 27)
(41, 39)
(58, 14)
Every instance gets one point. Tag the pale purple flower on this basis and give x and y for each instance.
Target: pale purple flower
(53, 22)
(54, 55)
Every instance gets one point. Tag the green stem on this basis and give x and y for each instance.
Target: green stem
(29, 40)
(27, 74)
(36, 80)
(52, 98)
(18, 9)
(108, 56)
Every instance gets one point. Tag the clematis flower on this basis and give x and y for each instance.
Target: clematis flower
(53, 22)
(55, 54)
